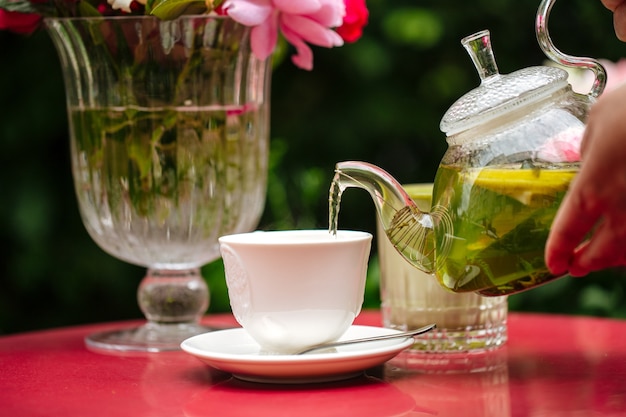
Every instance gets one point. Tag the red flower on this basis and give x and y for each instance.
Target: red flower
(19, 22)
(354, 20)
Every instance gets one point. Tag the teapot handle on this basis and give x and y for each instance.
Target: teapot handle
(545, 42)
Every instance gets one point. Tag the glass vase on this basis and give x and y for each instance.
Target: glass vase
(169, 128)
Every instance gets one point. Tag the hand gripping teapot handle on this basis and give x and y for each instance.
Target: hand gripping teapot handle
(543, 37)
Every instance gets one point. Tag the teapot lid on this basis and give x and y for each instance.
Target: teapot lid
(498, 93)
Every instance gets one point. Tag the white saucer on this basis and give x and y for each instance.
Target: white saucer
(234, 351)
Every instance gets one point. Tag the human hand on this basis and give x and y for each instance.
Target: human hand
(596, 200)
(618, 7)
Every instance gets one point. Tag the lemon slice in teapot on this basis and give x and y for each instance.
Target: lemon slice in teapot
(525, 185)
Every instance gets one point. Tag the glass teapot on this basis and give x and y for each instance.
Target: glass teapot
(514, 147)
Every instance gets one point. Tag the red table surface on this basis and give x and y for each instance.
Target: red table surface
(551, 366)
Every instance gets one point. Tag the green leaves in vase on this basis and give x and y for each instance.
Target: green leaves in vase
(171, 9)
(163, 9)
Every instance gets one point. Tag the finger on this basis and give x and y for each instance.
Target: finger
(619, 21)
(575, 268)
(612, 4)
(571, 224)
(604, 250)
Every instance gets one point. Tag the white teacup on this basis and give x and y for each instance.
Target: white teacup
(298, 288)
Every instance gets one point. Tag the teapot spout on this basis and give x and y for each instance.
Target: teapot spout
(408, 229)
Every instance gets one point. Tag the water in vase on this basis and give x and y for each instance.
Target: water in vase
(157, 186)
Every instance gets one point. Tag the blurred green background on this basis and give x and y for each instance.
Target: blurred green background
(378, 100)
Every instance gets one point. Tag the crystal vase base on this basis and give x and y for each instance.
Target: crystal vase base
(150, 337)
(173, 301)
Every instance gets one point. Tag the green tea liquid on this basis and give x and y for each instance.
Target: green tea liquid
(500, 219)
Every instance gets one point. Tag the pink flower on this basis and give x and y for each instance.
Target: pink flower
(354, 21)
(301, 22)
(564, 147)
(24, 23)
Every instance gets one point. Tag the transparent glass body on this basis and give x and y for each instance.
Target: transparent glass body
(169, 144)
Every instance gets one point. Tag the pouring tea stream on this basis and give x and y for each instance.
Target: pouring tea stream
(514, 147)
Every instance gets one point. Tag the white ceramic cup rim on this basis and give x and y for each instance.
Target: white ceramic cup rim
(295, 237)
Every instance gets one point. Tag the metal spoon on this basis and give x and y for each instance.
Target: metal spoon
(410, 333)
